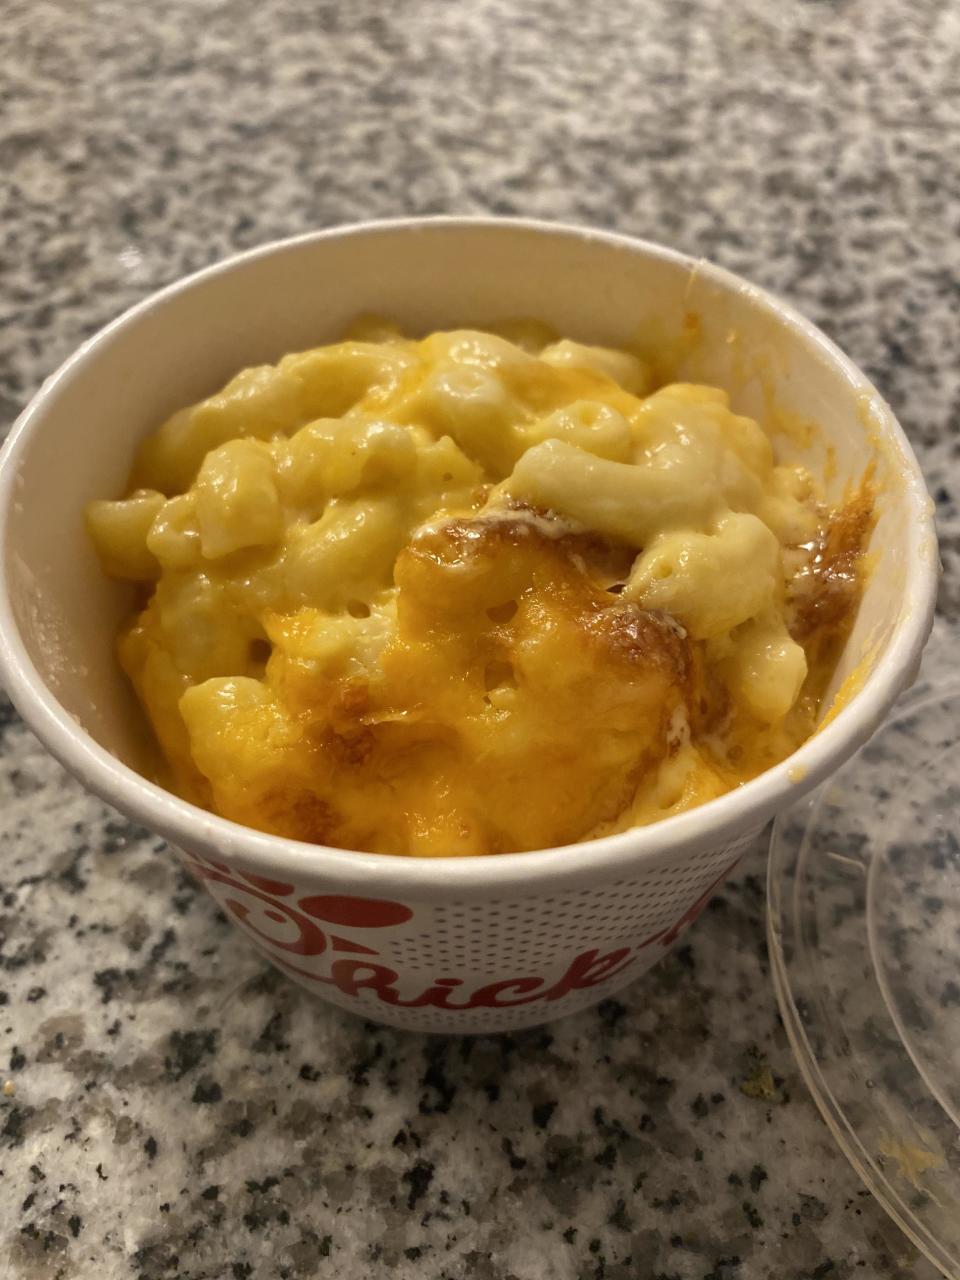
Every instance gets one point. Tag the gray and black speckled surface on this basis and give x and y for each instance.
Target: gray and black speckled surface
(176, 1110)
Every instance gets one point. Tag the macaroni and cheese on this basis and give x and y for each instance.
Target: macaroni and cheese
(476, 593)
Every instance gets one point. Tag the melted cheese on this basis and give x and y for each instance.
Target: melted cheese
(467, 594)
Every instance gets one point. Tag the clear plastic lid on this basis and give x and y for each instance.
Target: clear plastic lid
(864, 931)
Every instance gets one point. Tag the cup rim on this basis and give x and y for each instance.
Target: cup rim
(735, 814)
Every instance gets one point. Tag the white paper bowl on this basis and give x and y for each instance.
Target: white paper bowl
(472, 944)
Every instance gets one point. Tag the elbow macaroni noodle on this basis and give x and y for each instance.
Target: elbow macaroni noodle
(473, 593)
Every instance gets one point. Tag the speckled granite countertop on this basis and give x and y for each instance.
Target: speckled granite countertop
(175, 1110)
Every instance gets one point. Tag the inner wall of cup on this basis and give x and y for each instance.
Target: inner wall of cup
(188, 343)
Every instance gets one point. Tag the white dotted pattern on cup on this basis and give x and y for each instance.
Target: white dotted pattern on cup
(489, 1021)
(502, 934)
(487, 965)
